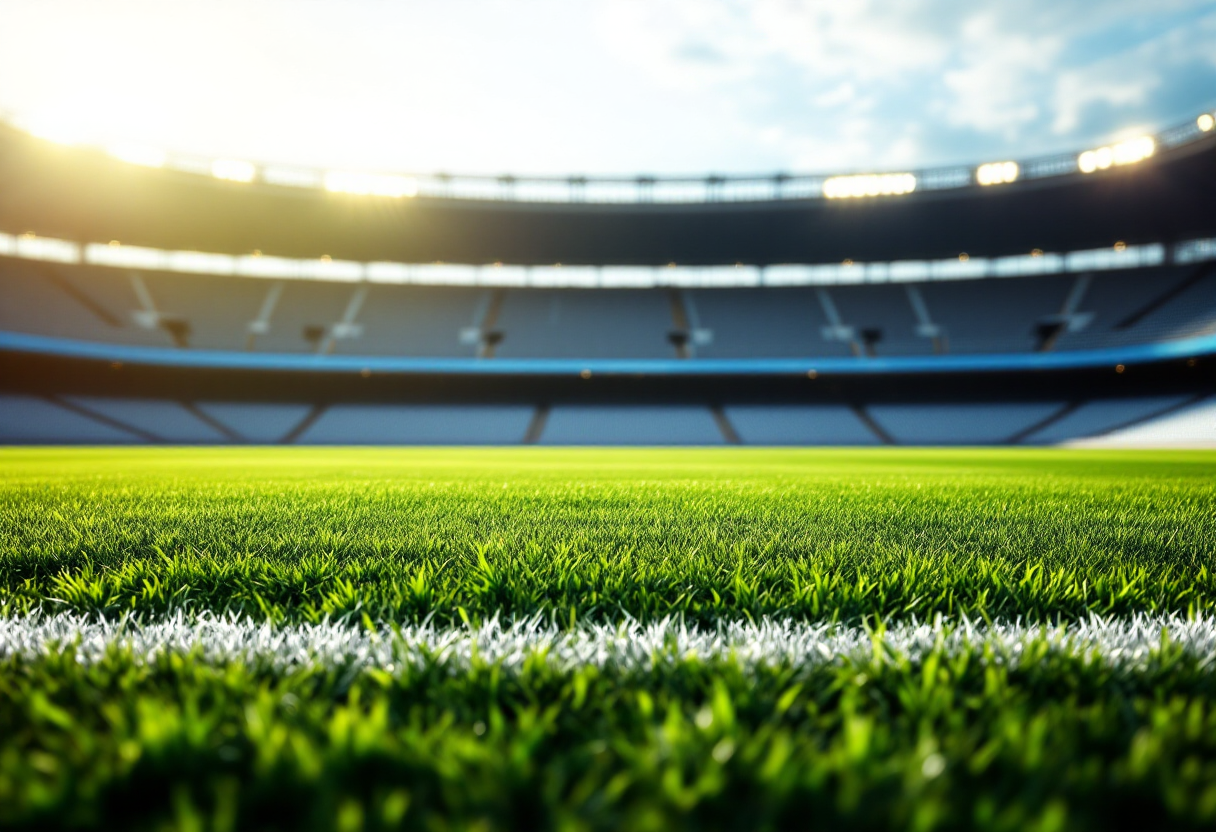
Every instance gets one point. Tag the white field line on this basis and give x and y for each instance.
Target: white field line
(1128, 642)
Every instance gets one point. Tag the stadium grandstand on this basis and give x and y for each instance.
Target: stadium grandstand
(153, 298)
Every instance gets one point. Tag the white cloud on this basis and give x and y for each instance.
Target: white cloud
(866, 81)
(997, 72)
(1130, 77)
(843, 93)
(861, 41)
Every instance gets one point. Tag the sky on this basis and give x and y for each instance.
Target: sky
(607, 86)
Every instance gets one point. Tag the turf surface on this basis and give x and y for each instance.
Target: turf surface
(1046, 737)
(402, 535)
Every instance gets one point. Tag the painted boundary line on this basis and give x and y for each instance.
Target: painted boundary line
(1131, 643)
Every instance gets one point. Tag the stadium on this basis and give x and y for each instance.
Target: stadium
(873, 498)
(1026, 302)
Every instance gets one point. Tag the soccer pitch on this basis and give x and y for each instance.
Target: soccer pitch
(607, 639)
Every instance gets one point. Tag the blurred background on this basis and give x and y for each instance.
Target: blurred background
(613, 222)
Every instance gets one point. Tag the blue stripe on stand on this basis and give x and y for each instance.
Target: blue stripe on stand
(225, 360)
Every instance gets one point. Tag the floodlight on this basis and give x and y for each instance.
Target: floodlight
(137, 154)
(388, 272)
(870, 184)
(255, 265)
(566, 276)
(47, 249)
(370, 184)
(627, 276)
(131, 257)
(997, 173)
(198, 262)
(496, 274)
(1124, 153)
(234, 170)
(327, 268)
(1134, 150)
(1205, 122)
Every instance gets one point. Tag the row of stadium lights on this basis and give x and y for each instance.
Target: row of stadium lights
(835, 187)
(1001, 173)
(325, 268)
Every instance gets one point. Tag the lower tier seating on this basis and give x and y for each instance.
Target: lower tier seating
(26, 419)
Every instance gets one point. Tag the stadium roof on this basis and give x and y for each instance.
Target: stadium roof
(1149, 190)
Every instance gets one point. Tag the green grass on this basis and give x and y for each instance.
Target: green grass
(585, 535)
(962, 739)
(947, 743)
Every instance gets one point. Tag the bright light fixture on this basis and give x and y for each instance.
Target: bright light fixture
(131, 257)
(1205, 122)
(870, 184)
(997, 173)
(233, 170)
(48, 249)
(1123, 153)
(370, 184)
(137, 154)
(116, 255)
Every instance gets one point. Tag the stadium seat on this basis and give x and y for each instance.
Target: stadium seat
(262, 424)
(959, 424)
(799, 425)
(29, 420)
(167, 421)
(1186, 427)
(419, 425)
(630, 425)
(1097, 417)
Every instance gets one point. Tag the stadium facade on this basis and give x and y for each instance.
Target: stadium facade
(154, 298)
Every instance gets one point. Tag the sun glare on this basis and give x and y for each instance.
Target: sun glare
(234, 170)
(138, 154)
